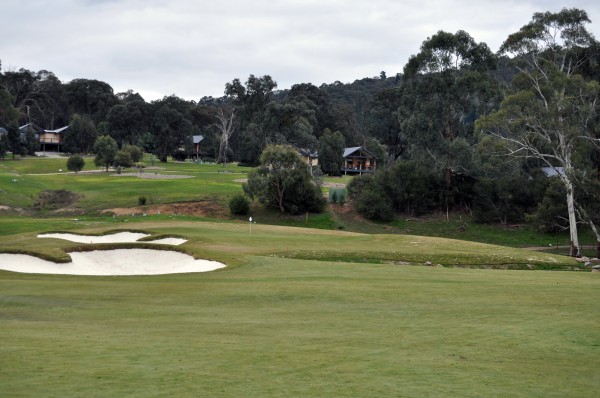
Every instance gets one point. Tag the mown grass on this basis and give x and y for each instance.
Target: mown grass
(22, 180)
(280, 327)
(297, 312)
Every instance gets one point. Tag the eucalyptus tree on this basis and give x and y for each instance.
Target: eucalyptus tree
(331, 152)
(105, 149)
(552, 113)
(81, 134)
(90, 97)
(317, 100)
(48, 106)
(446, 88)
(20, 84)
(8, 114)
(13, 141)
(129, 121)
(292, 121)
(282, 181)
(250, 101)
(3, 146)
(170, 131)
(225, 126)
(383, 120)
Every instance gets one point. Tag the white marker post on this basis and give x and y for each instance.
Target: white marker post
(250, 225)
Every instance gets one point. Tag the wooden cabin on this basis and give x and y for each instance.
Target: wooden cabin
(358, 160)
(197, 140)
(50, 140)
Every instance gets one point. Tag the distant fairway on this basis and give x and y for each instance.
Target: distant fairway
(272, 325)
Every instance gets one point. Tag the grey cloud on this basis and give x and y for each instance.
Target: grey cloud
(192, 48)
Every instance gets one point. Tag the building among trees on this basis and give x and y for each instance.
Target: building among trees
(52, 139)
(358, 160)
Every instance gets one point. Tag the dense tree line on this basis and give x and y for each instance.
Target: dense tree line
(460, 127)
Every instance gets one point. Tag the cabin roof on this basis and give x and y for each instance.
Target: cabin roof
(198, 138)
(352, 150)
(57, 131)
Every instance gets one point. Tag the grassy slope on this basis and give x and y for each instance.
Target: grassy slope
(223, 240)
(302, 328)
(102, 190)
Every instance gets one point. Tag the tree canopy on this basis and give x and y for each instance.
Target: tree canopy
(283, 181)
(105, 149)
(552, 113)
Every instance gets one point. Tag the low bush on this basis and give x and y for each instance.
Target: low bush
(123, 159)
(239, 205)
(75, 163)
(179, 155)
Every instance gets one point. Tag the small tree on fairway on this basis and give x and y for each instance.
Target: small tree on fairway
(105, 149)
(14, 140)
(283, 181)
(2, 146)
(135, 152)
(123, 159)
(75, 163)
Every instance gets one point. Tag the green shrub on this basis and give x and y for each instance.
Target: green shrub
(135, 152)
(75, 163)
(239, 205)
(179, 155)
(123, 159)
(142, 201)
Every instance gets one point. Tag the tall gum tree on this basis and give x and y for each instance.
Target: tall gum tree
(225, 126)
(550, 115)
(446, 88)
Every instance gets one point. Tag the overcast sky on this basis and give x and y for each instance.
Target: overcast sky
(192, 48)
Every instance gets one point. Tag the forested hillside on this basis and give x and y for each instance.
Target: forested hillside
(509, 136)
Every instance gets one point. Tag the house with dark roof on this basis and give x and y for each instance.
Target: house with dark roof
(309, 156)
(23, 130)
(358, 160)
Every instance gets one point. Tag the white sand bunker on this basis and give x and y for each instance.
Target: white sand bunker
(119, 237)
(111, 262)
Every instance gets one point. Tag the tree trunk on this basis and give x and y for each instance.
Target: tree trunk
(280, 191)
(575, 249)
